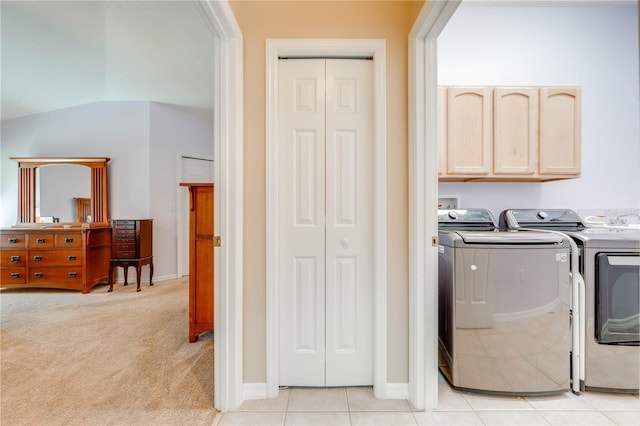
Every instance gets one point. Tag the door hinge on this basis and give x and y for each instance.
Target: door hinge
(216, 241)
(434, 241)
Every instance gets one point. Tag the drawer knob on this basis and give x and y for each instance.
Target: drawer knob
(68, 240)
(71, 258)
(38, 275)
(12, 240)
(15, 275)
(37, 258)
(73, 274)
(15, 259)
(40, 240)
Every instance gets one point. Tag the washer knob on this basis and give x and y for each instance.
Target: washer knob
(453, 215)
(543, 215)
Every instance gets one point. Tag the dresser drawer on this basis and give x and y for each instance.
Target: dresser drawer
(124, 255)
(13, 275)
(124, 224)
(36, 241)
(55, 275)
(124, 246)
(42, 258)
(124, 233)
(68, 240)
(12, 241)
(13, 258)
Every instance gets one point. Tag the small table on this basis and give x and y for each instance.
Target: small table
(125, 263)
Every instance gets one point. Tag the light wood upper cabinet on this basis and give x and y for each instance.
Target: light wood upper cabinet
(508, 133)
(515, 140)
(560, 130)
(469, 147)
(442, 130)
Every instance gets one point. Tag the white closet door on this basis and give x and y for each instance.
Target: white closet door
(325, 203)
(349, 228)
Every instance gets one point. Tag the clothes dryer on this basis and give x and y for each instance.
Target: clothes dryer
(504, 323)
(610, 264)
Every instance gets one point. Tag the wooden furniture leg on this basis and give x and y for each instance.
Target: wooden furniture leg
(110, 276)
(138, 272)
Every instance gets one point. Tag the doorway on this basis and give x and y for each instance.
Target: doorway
(326, 221)
(335, 48)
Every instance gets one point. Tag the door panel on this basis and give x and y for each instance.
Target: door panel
(349, 228)
(302, 222)
(326, 197)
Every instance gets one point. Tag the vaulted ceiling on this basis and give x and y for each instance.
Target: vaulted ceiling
(58, 54)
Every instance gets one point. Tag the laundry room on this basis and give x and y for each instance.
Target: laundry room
(538, 169)
(589, 47)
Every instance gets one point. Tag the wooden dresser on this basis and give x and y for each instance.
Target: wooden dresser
(132, 245)
(201, 236)
(74, 258)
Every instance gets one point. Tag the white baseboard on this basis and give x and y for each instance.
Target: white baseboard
(397, 390)
(259, 391)
(254, 391)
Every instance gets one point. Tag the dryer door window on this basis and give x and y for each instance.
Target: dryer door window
(617, 298)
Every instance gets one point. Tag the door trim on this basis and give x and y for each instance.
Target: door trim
(335, 48)
(423, 202)
(229, 155)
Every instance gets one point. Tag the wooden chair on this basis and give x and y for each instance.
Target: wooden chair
(83, 209)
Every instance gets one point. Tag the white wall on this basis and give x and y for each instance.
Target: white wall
(594, 47)
(141, 138)
(118, 130)
(174, 130)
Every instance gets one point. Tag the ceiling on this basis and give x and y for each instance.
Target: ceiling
(59, 54)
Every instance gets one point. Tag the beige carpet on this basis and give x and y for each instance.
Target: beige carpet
(120, 358)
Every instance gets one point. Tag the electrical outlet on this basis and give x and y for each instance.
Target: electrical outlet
(448, 202)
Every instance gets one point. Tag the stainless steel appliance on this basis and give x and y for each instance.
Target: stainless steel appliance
(504, 323)
(610, 264)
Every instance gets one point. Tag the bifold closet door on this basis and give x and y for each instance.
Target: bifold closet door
(325, 190)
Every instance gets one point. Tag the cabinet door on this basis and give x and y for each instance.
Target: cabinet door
(515, 140)
(560, 130)
(442, 130)
(469, 135)
(201, 262)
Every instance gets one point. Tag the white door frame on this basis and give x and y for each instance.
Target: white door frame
(228, 152)
(334, 48)
(423, 203)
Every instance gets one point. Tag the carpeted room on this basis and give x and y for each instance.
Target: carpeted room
(103, 358)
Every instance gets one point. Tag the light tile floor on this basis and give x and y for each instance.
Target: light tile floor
(357, 406)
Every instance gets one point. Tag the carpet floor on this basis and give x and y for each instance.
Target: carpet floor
(120, 358)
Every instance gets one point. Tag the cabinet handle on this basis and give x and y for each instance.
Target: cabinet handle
(15, 259)
(38, 275)
(73, 274)
(37, 258)
(40, 240)
(71, 258)
(15, 275)
(12, 240)
(68, 240)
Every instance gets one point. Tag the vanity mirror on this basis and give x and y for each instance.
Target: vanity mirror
(62, 189)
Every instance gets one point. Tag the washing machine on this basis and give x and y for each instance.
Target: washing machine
(503, 308)
(610, 265)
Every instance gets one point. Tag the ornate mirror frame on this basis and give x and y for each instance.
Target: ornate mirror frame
(27, 185)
